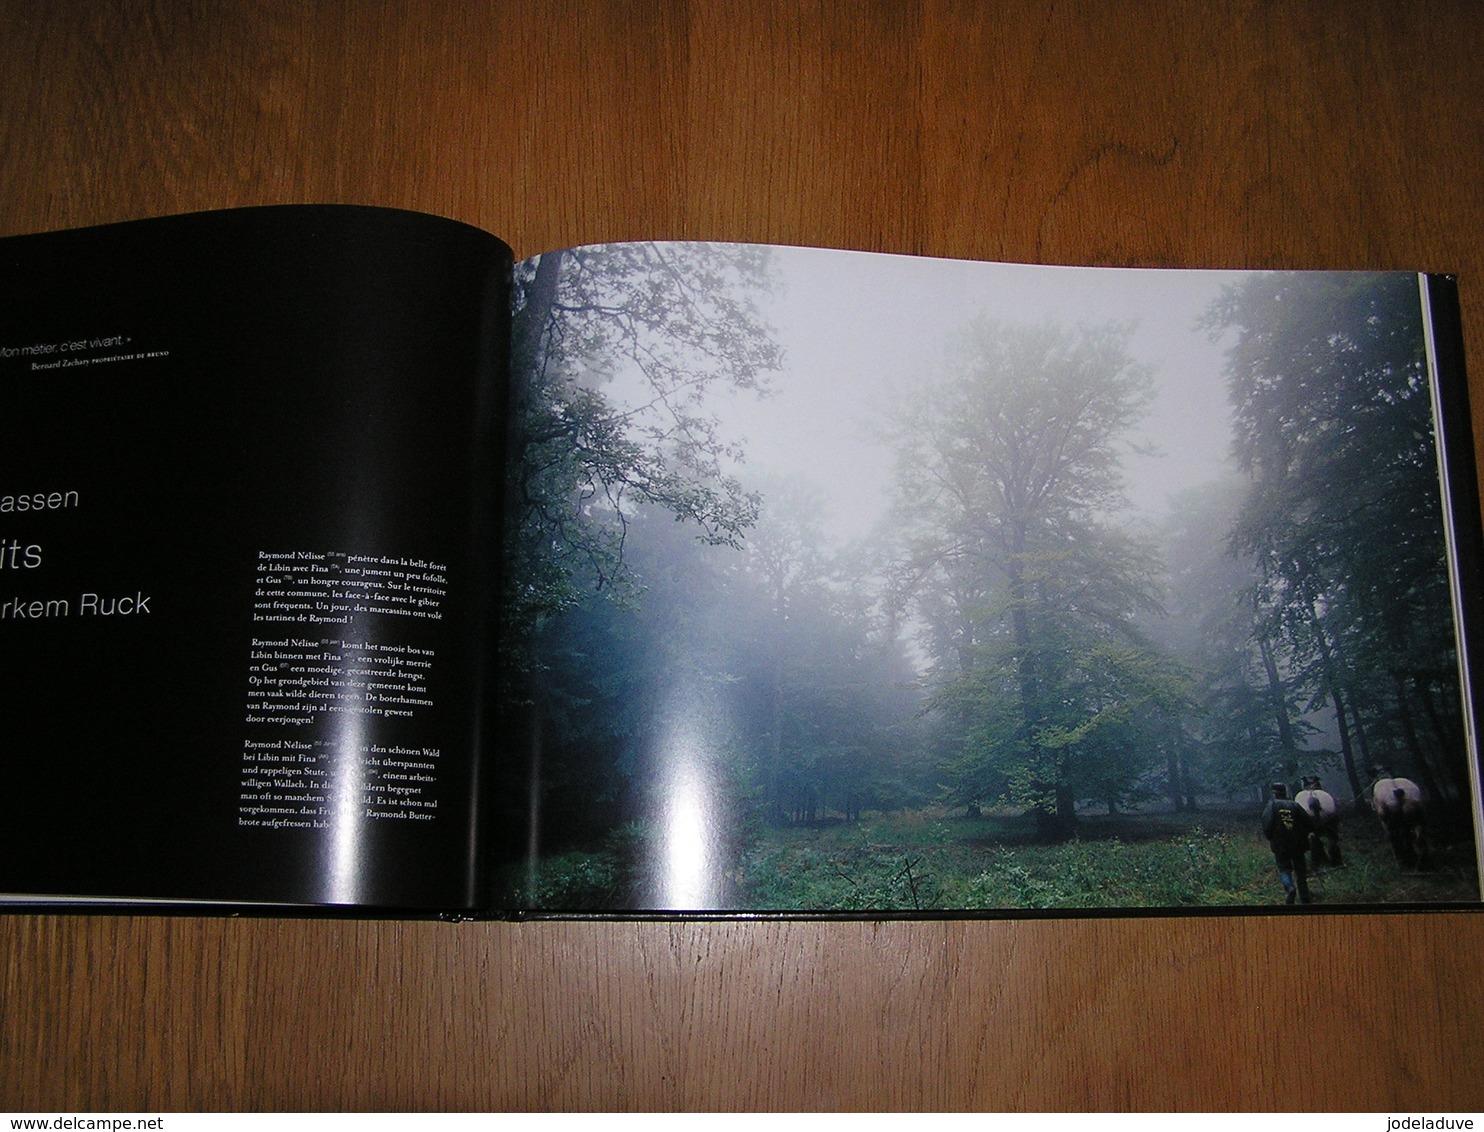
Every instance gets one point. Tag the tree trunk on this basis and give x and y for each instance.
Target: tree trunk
(1420, 762)
(1447, 738)
(528, 328)
(1278, 699)
(1337, 698)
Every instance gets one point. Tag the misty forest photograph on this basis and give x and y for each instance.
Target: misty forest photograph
(851, 583)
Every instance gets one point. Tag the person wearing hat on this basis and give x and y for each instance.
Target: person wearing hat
(1287, 826)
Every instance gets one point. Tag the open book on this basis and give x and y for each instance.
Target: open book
(348, 564)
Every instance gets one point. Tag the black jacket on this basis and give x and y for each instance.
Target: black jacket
(1287, 825)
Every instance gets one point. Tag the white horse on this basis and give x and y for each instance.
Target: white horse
(1399, 804)
(1324, 841)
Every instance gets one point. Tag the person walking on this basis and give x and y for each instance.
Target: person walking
(1287, 826)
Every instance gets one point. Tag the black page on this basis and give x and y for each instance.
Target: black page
(181, 399)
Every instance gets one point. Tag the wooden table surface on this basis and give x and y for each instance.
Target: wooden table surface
(1243, 134)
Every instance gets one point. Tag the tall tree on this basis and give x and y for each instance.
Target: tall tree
(1251, 724)
(1333, 416)
(682, 322)
(1009, 471)
(824, 692)
(673, 324)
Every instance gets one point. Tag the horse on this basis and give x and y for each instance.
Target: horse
(1399, 804)
(1324, 841)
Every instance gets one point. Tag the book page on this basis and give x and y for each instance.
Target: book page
(861, 584)
(239, 600)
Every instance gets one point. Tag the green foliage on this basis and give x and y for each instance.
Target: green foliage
(926, 860)
(1008, 471)
(616, 875)
(617, 352)
(680, 322)
(1248, 723)
(932, 860)
(1348, 605)
(574, 881)
(1194, 869)
(821, 690)
(880, 865)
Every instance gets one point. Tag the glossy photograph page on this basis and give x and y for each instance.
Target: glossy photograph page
(857, 584)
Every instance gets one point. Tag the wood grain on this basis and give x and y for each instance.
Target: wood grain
(1226, 134)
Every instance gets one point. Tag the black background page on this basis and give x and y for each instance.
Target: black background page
(264, 380)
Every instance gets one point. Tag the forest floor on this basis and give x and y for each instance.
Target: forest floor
(939, 860)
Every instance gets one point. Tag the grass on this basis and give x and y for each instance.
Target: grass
(935, 860)
(932, 860)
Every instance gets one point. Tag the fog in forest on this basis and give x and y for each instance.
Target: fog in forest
(861, 332)
(804, 537)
